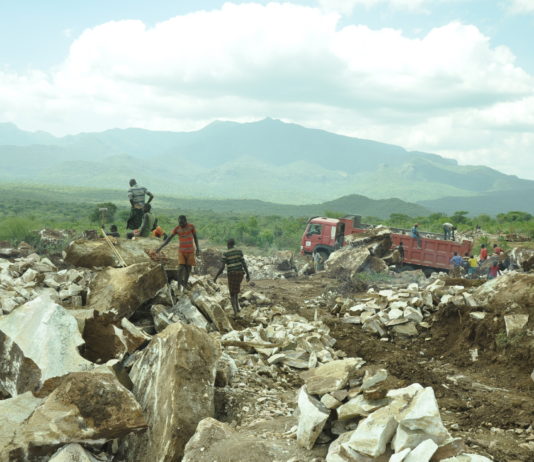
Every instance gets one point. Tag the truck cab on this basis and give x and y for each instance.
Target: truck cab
(325, 235)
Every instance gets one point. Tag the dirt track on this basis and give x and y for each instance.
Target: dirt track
(489, 402)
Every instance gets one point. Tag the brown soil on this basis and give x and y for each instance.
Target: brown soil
(488, 402)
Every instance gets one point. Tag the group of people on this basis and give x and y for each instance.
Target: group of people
(143, 223)
(470, 264)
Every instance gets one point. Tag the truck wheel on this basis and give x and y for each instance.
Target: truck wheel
(324, 254)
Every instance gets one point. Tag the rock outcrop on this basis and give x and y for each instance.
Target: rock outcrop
(118, 292)
(85, 407)
(98, 253)
(174, 383)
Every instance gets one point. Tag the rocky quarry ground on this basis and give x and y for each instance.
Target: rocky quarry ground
(105, 362)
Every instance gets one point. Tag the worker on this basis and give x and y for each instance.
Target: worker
(473, 266)
(493, 271)
(158, 232)
(448, 231)
(147, 224)
(496, 249)
(397, 257)
(186, 253)
(136, 196)
(416, 235)
(318, 260)
(113, 231)
(483, 253)
(457, 263)
(236, 268)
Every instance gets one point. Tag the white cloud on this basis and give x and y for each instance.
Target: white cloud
(521, 6)
(348, 6)
(448, 92)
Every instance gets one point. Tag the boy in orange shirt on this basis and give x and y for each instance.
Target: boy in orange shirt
(186, 253)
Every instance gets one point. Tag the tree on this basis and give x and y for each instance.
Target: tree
(459, 217)
(514, 216)
(107, 216)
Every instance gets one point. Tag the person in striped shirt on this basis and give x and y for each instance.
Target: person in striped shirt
(136, 196)
(187, 234)
(236, 268)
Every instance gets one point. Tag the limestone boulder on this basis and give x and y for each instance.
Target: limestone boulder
(85, 407)
(119, 292)
(312, 418)
(374, 433)
(211, 309)
(362, 252)
(331, 376)
(174, 383)
(46, 335)
(182, 311)
(98, 253)
(420, 421)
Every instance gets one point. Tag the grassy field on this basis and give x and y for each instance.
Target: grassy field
(27, 209)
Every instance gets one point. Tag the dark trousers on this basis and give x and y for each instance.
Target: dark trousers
(135, 218)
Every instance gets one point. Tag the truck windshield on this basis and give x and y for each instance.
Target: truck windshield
(314, 228)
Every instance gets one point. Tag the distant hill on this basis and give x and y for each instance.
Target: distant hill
(267, 160)
(484, 203)
(353, 204)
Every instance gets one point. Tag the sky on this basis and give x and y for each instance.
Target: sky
(451, 77)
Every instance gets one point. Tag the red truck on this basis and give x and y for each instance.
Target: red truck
(328, 234)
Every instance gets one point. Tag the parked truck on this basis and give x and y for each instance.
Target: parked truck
(324, 235)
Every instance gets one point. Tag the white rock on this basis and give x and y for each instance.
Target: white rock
(374, 433)
(406, 330)
(413, 286)
(191, 313)
(456, 290)
(331, 376)
(372, 377)
(359, 406)
(399, 456)
(423, 415)
(467, 458)
(312, 417)
(72, 453)
(423, 452)
(47, 334)
(386, 293)
(409, 391)
(398, 305)
(330, 402)
(470, 301)
(478, 315)
(395, 313)
(29, 275)
(413, 314)
(515, 323)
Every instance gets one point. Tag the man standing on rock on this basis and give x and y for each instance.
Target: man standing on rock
(186, 253)
(236, 268)
(136, 195)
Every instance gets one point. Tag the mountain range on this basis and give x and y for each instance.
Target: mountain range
(268, 160)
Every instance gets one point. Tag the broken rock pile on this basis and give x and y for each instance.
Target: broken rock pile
(373, 421)
(288, 339)
(29, 277)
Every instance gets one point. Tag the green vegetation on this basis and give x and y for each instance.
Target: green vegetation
(25, 210)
